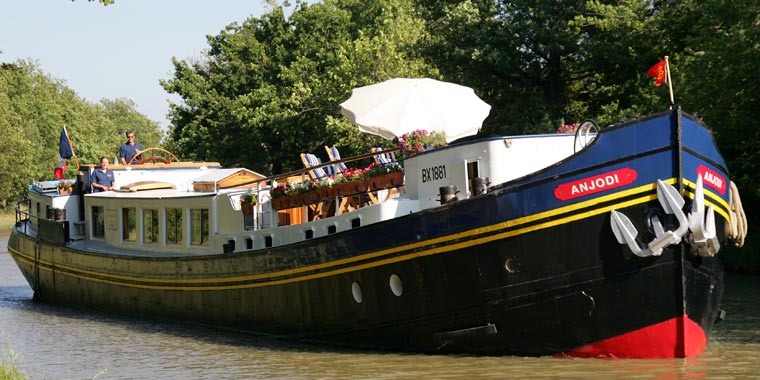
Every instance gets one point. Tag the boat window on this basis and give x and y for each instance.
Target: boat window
(98, 221)
(150, 227)
(129, 223)
(473, 171)
(199, 226)
(174, 226)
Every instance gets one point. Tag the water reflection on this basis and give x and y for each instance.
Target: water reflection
(62, 343)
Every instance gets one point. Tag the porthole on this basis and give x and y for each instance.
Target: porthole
(397, 287)
(356, 291)
(510, 265)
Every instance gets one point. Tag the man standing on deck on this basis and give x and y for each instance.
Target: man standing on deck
(130, 148)
(102, 179)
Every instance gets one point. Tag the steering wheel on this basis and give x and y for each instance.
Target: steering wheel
(153, 157)
(585, 133)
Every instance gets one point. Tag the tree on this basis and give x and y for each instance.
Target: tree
(270, 88)
(542, 64)
(33, 109)
(17, 151)
(718, 53)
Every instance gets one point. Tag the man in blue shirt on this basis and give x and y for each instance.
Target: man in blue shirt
(102, 178)
(129, 149)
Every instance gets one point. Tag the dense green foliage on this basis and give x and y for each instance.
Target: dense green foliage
(34, 108)
(270, 88)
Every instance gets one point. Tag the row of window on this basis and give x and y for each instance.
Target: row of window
(173, 220)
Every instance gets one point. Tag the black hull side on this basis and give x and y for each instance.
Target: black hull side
(550, 303)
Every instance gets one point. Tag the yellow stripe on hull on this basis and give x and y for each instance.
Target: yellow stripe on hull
(442, 245)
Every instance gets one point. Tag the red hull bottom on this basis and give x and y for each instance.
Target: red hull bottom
(679, 337)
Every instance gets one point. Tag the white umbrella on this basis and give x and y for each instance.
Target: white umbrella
(401, 105)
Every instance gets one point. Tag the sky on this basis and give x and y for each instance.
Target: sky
(116, 51)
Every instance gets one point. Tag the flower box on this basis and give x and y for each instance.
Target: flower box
(324, 193)
(247, 207)
(387, 181)
(294, 200)
(311, 197)
(280, 203)
(354, 187)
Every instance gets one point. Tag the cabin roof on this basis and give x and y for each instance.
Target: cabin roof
(149, 194)
(215, 179)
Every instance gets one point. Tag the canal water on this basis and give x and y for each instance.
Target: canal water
(63, 343)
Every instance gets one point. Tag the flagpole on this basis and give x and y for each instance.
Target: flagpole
(73, 152)
(670, 82)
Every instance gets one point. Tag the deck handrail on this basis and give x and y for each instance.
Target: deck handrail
(304, 172)
(20, 212)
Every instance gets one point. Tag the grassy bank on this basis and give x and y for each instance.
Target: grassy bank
(6, 221)
(8, 368)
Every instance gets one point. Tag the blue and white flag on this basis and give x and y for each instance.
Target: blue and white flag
(64, 146)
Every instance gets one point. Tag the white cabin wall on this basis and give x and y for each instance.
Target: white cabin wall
(501, 160)
(114, 224)
(228, 219)
(516, 157)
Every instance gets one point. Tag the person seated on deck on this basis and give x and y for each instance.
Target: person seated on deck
(102, 179)
(130, 148)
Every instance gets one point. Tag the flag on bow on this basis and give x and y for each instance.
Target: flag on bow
(659, 73)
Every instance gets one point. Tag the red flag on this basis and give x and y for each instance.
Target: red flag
(60, 167)
(658, 72)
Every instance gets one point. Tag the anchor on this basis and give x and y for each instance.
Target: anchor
(701, 223)
(672, 203)
(703, 239)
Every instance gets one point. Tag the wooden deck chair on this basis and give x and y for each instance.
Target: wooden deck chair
(309, 160)
(383, 159)
(334, 155)
(321, 209)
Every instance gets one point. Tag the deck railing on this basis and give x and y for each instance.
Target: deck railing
(336, 204)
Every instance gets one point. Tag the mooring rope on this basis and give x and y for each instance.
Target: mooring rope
(736, 228)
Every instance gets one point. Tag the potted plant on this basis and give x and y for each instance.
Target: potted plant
(353, 181)
(279, 201)
(409, 144)
(248, 201)
(64, 186)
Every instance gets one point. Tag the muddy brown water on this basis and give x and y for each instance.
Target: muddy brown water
(62, 343)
